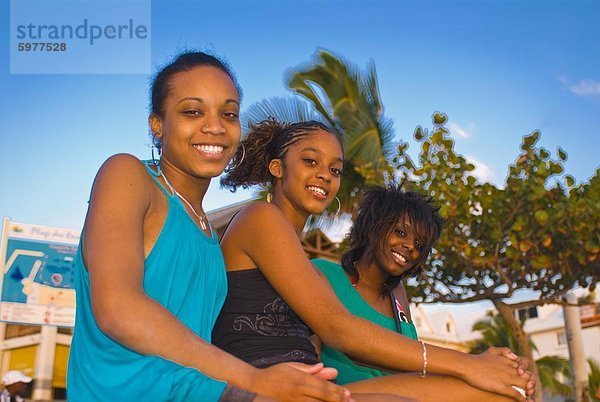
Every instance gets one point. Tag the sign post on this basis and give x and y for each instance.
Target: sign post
(37, 274)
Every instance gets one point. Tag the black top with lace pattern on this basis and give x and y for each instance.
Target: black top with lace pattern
(258, 326)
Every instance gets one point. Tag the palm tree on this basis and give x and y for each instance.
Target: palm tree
(554, 371)
(555, 375)
(347, 99)
(564, 369)
(495, 332)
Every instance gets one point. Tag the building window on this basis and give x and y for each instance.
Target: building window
(527, 313)
(65, 330)
(448, 327)
(17, 330)
(561, 338)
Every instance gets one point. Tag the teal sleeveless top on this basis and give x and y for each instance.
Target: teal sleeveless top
(185, 272)
(348, 370)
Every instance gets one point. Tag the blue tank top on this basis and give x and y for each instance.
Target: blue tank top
(184, 272)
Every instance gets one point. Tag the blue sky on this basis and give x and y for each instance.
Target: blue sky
(499, 69)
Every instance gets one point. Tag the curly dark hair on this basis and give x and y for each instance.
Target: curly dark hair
(264, 142)
(376, 216)
(160, 86)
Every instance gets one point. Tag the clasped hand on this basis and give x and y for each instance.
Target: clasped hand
(499, 370)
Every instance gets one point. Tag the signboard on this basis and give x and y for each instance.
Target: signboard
(37, 281)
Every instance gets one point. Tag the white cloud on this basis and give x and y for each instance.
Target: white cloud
(582, 88)
(482, 172)
(586, 88)
(461, 132)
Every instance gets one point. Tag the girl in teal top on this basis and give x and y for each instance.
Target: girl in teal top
(391, 237)
(348, 370)
(150, 276)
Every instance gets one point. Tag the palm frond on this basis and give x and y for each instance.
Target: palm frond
(286, 110)
(495, 331)
(553, 370)
(301, 82)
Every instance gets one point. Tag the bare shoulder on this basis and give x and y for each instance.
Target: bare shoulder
(121, 196)
(122, 172)
(121, 181)
(262, 208)
(259, 215)
(256, 226)
(121, 165)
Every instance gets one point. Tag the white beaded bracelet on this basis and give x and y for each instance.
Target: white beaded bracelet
(424, 372)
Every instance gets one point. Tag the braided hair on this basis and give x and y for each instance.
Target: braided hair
(264, 142)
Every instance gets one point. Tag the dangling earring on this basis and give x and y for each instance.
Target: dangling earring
(241, 159)
(157, 146)
(154, 160)
(269, 197)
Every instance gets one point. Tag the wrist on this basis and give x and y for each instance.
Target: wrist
(451, 363)
(248, 378)
(469, 367)
(256, 380)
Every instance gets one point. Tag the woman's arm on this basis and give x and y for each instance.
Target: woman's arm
(113, 248)
(262, 233)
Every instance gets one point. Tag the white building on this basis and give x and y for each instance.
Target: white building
(547, 331)
(545, 325)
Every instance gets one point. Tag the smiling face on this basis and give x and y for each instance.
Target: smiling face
(400, 250)
(200, 126)
(309, 175)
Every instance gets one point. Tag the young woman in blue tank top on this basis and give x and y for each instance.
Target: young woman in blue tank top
(150, 274)
(301, 165)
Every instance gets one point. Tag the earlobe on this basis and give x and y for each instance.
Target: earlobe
(275, 168)
(155, 126)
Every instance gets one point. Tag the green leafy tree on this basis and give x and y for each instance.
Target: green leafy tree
(538, 231)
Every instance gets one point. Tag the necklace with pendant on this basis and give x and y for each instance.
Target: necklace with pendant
(202, 218)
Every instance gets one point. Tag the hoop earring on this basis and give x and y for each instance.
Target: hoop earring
(241, 159)
(269, 197)
(339, 208)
